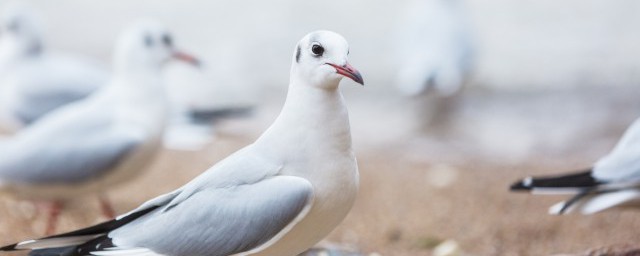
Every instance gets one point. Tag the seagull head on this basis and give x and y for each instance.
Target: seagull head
(321, 59)
(148, 45)
(20, 33)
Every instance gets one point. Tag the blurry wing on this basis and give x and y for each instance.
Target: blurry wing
(226, 220)
(34, 106)
(51, 82)
(209, 116)
(74, 156)
(623, 163)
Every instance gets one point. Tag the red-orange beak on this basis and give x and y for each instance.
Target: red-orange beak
(348, 71)
(188, 58)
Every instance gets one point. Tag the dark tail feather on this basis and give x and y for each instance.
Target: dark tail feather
(11, 247)
(574, 180)
(105, 227)
(214, 115)
(62, 251)
(574, 200)
(96, 242)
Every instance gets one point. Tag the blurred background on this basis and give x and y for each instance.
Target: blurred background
(548, 87)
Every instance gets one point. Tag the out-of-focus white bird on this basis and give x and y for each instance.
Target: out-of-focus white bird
(190, 129)
(277, 196)
(434, 47)
(33, 80)
(613, 181)
(105, 139)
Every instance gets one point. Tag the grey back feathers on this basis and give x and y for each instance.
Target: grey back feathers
(236, 219)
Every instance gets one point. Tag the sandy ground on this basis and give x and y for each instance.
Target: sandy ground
(419, 190)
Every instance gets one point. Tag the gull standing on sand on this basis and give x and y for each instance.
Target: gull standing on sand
(434, 57)
(107, 138)
(435, 49)
(278, 196)
(34, 81)
(613, 181)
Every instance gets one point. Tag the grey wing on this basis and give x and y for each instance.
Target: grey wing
(76, 156)
(33, 107)
(55, 82)
(221, 221)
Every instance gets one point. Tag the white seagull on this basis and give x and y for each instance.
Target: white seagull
(434, 48)
(93, 144)
(34, 81)
(277, 196)
(613, 181)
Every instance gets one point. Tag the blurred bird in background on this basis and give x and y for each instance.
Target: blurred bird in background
(191, 128)
(434, 55)
(91, 145)
(276, 196)
(614, 180)
(34, 80)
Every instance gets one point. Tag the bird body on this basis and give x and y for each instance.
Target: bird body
(93, 144)
(278, 196)
(324, 157)
(121, 116)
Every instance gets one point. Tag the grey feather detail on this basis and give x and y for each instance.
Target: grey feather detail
(220, 221)
(36, 106)
(157, 201)
(76, 155)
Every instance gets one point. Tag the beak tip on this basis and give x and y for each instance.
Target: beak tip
(349, 71)
(188, 59)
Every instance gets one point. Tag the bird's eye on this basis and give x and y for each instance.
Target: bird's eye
(167, 40)
(317, 49)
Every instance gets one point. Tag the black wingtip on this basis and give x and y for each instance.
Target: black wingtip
(214, 115)
(582, 179)
(98, 242)
(521, 186)
(8, 248)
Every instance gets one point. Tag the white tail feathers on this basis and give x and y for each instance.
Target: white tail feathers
(597, 203)
(54, 242)
(127, 252)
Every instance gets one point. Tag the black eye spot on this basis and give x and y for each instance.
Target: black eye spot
(317, 49)
(167, 40)
(148, 41)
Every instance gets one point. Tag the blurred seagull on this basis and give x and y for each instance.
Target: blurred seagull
(190, 129)
(34, 81)
(93, 144)
(613, 181)
(434, 48)
(277, 196)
